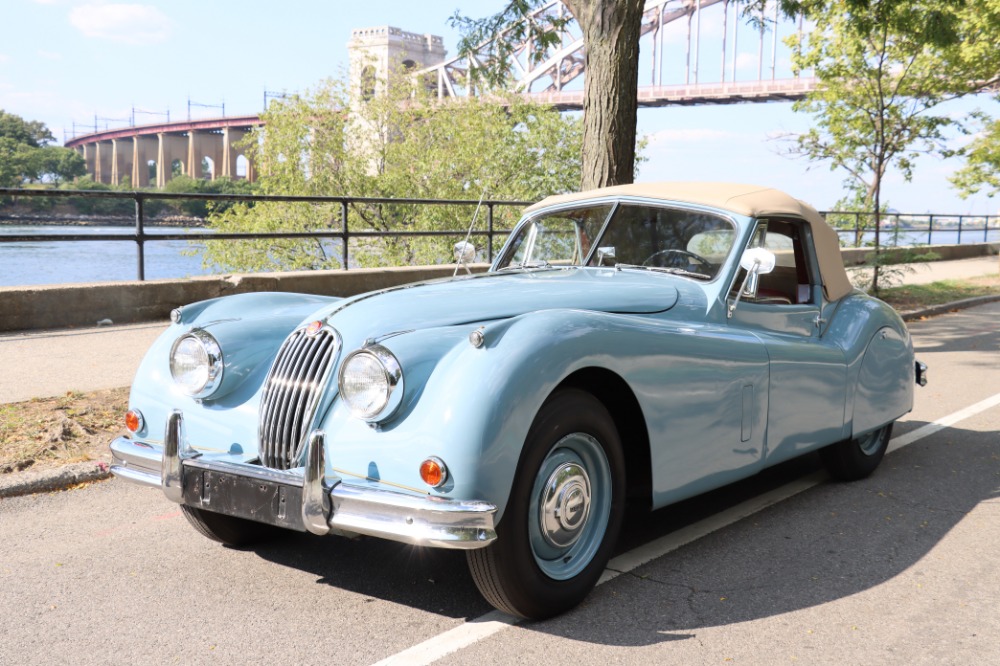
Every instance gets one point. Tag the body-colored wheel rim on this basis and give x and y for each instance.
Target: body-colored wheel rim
(570, 505)
(871, 442)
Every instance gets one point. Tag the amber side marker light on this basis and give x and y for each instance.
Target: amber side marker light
(434, 472)
(133, 420)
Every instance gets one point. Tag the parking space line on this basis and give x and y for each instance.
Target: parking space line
(493, 622)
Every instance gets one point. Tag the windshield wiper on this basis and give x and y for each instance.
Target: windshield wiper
(526, 264)
(665, 269)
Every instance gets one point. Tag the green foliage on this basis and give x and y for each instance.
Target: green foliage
(32, 133)
(396, 144)
(885, 66)
(982, 168)
(98, 206)
(26, 157)
(492, 39)
(202, 208)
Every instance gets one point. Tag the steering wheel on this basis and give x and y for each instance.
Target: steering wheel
(691, 255)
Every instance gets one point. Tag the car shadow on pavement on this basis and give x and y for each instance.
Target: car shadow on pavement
(428, 579)
(825, 544)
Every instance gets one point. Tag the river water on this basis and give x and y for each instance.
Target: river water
(39, 263)
(53, 262)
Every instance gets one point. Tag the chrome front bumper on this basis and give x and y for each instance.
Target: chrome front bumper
(326, 505)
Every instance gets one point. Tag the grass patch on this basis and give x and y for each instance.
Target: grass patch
(913, 297)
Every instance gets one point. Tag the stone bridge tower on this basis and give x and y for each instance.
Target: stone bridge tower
(374, 52)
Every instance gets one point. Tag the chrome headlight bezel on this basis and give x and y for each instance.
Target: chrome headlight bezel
(213, 364)
(391, 375)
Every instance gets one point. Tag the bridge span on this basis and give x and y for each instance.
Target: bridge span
(692, 52)
(148, 154)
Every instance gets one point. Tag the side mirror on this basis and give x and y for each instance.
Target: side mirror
(756, 262)
(758, 258)
(605, 252)
(465, 253)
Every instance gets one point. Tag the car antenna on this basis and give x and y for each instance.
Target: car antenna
(462, 248)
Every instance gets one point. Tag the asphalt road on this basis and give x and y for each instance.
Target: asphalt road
(902, 568)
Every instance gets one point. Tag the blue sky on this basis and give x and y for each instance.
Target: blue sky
(66, 61)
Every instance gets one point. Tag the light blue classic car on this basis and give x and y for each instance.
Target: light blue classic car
(641, 343)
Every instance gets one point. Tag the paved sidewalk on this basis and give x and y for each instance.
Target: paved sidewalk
(41, 364)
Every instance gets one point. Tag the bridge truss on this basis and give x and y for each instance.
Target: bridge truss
(680, 40)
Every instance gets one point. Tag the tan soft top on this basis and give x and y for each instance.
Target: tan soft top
(748, 200)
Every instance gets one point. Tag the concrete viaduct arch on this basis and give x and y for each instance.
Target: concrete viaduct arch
(116, 154)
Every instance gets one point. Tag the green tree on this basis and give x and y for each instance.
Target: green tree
(32, 133)
(399, 143)
(886, 66)
(982, 168)
(25, 155)
(611, 31)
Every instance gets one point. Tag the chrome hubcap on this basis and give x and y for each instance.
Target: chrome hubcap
(565, 505)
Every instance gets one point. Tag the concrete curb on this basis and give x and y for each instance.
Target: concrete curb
(944, 308)
(49, 480)
(28, 483)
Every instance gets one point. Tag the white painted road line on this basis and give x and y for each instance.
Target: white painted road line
(485, 626)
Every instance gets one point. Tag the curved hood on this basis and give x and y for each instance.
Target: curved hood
(498, 296)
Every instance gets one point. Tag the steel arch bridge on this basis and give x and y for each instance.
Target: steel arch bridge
(691, 54)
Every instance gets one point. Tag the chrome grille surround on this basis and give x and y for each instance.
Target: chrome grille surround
(292, 392)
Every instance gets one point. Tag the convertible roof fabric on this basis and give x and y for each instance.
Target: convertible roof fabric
(748, 200)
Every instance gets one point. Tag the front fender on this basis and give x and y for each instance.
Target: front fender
(473, 406)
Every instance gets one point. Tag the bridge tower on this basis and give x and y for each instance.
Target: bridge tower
(375, 52)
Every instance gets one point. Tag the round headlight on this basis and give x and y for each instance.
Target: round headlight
(196, 363)
(371, 383)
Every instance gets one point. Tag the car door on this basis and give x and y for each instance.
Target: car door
(808, 374)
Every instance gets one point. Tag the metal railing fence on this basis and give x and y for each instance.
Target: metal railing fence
(140, 236)
(910, 228)
(895, 226)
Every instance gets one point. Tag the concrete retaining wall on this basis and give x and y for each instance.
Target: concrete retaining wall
(854, 256)
(68, 306)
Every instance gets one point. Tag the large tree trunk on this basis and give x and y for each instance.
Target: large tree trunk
(611, 31)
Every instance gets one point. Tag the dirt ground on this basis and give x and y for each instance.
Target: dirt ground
(48, 432)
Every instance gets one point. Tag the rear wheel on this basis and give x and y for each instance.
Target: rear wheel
(563, 515)
(229, 530)
(856, 458)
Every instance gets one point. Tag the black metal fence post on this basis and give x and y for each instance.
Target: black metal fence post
(960, 229)
(140, 237)
(489, 230)
(344, 236)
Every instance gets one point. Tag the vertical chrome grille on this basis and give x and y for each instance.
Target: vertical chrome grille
(291, 394)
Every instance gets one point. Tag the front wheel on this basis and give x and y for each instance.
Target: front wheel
(856, 458)
(563, 515)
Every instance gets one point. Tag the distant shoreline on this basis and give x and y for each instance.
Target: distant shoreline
(98, 221)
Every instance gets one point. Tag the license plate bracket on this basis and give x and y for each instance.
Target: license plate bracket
(261, 500)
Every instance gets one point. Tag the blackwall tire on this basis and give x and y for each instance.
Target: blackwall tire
(229, 530)
(564, 513)
(857, 458)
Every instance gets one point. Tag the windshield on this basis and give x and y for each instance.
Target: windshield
(558, 239)
(686, 242)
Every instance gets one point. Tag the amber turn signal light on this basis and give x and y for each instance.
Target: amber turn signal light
(134, 420)
(434, 472)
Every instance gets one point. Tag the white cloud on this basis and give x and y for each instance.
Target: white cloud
(129, 24)
(4, 58)
(49, 55)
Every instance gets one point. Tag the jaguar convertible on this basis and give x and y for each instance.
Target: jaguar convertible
(640, 344)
